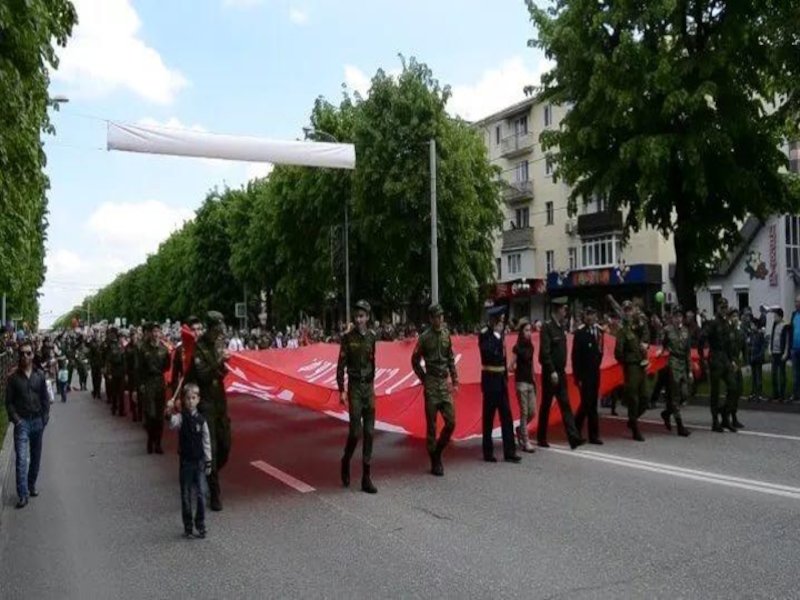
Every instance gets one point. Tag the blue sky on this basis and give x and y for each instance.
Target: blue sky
(250, 67)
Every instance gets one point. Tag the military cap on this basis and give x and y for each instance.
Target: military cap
(677, 310)
(496, 311)
(215, 318)
(627, 304)
(560, 301)
(435, 310)
(590, 310)
(192, 320)
(363, 305)
(149, 326)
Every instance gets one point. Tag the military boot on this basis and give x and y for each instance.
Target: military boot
(637, 435)
(366, 482)
(349, 449)
(736, 422)
(715, 426)
(665, 415)
(682, 431)
(726, 423)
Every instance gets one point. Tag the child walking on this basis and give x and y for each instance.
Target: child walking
(194, 448)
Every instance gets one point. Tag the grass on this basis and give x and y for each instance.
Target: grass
(3, 423)
(766, 388)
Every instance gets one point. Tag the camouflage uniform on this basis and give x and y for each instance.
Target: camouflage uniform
(96, 366)
(152, 361)
(132, 383)
(676, 341)
(436, 348)
(114, 360)
(717, 334)
(739, 354)
(629, 354)
(357, 359)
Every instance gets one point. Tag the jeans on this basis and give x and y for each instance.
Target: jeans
(61, 387)
(28, 435)
(756, 386)
(526, 396)
(778, 377)
(193, 483)
(796, 374)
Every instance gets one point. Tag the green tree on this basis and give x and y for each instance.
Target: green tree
(668, 115)
(29, 32)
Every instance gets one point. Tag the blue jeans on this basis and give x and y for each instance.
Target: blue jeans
(28, 435)
(62, 390)
(778, 377)
(193, 483)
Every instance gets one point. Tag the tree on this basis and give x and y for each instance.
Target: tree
(29, 31)
(669, 115)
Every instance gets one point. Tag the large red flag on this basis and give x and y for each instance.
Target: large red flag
(189, 342)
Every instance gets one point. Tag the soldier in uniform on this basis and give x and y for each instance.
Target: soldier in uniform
(717, 334)
(553, 358)
(196, 325)
(631, 352)
(132, 377)
(152, 361)
(96, 364)
(69, 352)
(208, 372)
(494, 385)
(115, 372)
(587, 357)
(81, 362)
(676, 340)
(357, 358)
(436, 348)
(739, 352)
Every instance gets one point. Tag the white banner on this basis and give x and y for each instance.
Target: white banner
(183, 142)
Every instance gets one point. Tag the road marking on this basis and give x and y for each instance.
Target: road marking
(300, 486)
(754, 485)
(775, 436)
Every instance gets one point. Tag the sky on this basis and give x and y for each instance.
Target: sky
(246, 67)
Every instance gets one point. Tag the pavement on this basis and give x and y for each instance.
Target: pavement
(711, 516)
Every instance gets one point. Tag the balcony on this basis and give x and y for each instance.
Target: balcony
(518, 191)
(518, 239)
(599, 223)
(518, 143)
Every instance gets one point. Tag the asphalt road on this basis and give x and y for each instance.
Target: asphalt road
(713, 516)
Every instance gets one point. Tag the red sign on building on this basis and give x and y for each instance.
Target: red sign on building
(773, 255)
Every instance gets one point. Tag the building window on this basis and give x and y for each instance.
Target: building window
(499, 265)
(595, 204)
(521, 126)
(550, 261)
(514, 264)
(521, 172)
(573, 259)
(715, 300)
(548, 115)
(792, 242)
(498, 132)
(601, 251)
(523, 218)
(743, 299)
(549, 210)
(549, 167)
(794, 157)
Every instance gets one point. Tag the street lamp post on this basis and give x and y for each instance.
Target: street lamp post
(309, 132)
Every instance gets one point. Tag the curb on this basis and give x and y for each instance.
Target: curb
(6, 452)
(772, 407)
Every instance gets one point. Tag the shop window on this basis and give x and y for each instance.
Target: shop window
(743, 299)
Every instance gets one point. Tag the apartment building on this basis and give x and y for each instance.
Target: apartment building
(542, 251)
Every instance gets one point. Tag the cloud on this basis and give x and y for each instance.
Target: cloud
(496, 89)
(106, 54)
(135, 228)
(259, 170)
(171, 123)
(358, 81)
(298, 16)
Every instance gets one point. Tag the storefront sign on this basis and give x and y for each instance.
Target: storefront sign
(519, 289)
(773, 255)
(638, 274)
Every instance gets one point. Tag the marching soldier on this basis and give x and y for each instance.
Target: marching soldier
(676, 340)
(81, 362)
(587, 357)
(553, 358)
(357, 358)
(96, 364)
(739, 349)
(494, 384)
(115, 372)
(436, 348)
(132, 377)
(717, 333)
(152, 361)
(631, 352)
(208, 372)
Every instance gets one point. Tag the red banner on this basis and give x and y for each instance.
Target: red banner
(307, 377)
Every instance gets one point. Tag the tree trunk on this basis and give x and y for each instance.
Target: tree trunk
(685, 270)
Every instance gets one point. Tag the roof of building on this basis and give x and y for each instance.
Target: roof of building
(748, 233)
(508, 111)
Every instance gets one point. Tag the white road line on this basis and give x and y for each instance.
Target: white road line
(754, 485)
(775, 436)
(300, 486)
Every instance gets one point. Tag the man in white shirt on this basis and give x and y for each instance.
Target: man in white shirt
(236, 344)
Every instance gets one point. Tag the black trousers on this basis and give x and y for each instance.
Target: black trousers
(495, 400)
(590, 390)
(560, 392)
(97, 381)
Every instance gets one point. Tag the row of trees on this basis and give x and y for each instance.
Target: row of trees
(283, 235)
(29, 30)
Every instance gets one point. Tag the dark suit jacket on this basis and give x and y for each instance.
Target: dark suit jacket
(587, 355)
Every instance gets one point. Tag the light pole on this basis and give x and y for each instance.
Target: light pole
(309, 132)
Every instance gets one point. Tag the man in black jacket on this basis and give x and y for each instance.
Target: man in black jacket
(28, 407)
(587, 356)
(779, 347)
